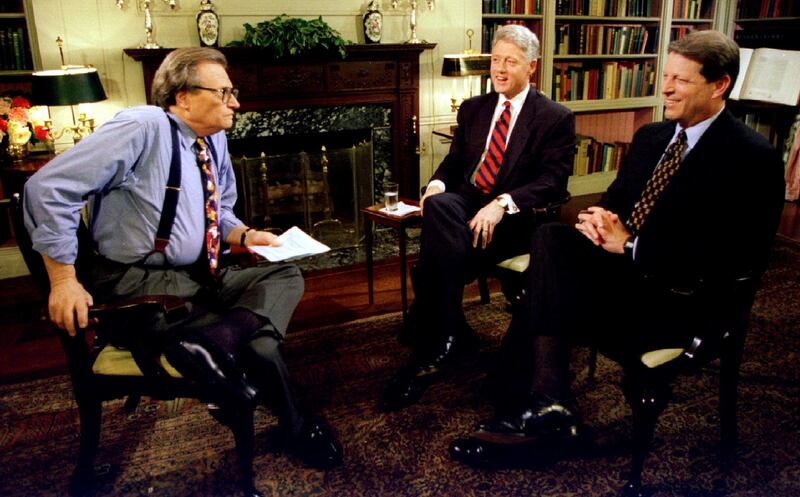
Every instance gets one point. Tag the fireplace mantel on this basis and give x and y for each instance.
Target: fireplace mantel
(370, 74)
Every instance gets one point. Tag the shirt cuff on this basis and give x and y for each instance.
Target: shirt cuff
(438, 183)
(511, 208)
(630, 247)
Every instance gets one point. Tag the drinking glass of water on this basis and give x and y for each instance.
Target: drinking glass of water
(390, 196)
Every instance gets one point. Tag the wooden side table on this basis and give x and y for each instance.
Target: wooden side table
(374, 214)
(13, 175)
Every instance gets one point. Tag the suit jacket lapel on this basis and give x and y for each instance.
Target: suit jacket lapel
(519, 136)
(660, 143)
(710, 139)
(480, 131)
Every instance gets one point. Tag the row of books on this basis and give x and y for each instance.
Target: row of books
(690, 9)
(592, 81)
(678, 32)
(490, 27)
(11, 6)
(526, 7)
(759, 9)
(786, 36)
(14, 52)
(600, 8)
(597, 39)
(592, 156)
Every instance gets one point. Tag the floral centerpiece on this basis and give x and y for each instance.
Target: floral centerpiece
(16, 126)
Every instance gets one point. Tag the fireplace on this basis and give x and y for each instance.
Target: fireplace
(363, 107)
(317, 181)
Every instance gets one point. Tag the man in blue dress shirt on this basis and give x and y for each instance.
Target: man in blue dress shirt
(240, 314)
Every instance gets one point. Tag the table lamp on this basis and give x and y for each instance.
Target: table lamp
(71, 85)
(465, 66)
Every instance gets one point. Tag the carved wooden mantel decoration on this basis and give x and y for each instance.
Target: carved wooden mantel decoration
(370, 74)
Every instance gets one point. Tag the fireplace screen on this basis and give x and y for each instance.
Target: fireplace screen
(320, 191)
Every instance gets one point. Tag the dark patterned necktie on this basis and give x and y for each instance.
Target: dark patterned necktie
(658, 181)
(487, 172)
(210, 192)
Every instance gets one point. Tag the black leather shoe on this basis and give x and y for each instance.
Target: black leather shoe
(471, 451)
(317, 446)
(405, 389)
(540, 418)
(526, 453)
(215, 368)
(408, 385)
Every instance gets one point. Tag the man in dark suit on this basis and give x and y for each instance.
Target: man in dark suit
(697, 199)
(512, 152)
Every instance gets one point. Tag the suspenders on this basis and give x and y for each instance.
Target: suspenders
(172, 193)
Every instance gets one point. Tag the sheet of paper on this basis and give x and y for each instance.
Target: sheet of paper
(402, 209)
(295, 243)
(744, 62)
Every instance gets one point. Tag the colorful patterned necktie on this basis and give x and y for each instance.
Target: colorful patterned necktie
(658, 181)
(487, 172)
(210, 193)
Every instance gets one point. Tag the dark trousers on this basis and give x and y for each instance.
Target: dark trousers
(580, 294)
(448, 261)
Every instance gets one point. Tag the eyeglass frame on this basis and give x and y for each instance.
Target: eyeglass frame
(224, 93)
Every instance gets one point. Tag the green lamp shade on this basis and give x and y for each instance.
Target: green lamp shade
(460, 65)
(69, 86)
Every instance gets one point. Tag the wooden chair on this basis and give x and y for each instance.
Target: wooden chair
(725, 312)
(102, 372)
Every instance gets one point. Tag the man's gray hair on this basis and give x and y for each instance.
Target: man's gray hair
(520, 36)
(178, 73)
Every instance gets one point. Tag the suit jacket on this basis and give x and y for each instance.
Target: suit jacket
(538, 158)
(717, 216)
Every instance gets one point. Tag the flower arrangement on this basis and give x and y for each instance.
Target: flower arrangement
(16, 123)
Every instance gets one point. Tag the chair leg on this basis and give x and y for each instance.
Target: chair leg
(483, 289)
(646, 402)
(82, 481)
(592, 363)
(132, 402)
(730, 361)
(243, 434)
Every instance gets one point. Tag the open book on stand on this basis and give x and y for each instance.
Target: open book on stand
(295, 243)
(768, 75)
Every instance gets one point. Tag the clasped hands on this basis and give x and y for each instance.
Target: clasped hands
(603, 228)
(482, 224)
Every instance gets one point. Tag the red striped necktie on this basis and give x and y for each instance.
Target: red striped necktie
(487, 172)
(210, 192)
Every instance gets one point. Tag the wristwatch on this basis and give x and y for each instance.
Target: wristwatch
(502, 202)
(627, 247)
(244, 236)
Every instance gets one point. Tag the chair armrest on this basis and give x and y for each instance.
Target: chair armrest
(551, 211)
(174, 308)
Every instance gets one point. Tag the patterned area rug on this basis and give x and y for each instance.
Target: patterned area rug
(176, 449)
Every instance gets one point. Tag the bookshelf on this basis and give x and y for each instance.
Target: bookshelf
(527, 13)
(19, 53)
(767, 24)
(603, 60)
(691, 15)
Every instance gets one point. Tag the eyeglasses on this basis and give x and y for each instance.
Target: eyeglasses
(224, 93)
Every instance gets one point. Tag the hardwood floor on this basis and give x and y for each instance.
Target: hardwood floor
(29, 347)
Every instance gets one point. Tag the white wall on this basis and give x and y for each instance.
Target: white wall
(96, 31)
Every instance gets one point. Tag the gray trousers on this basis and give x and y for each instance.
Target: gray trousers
(271, 292)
